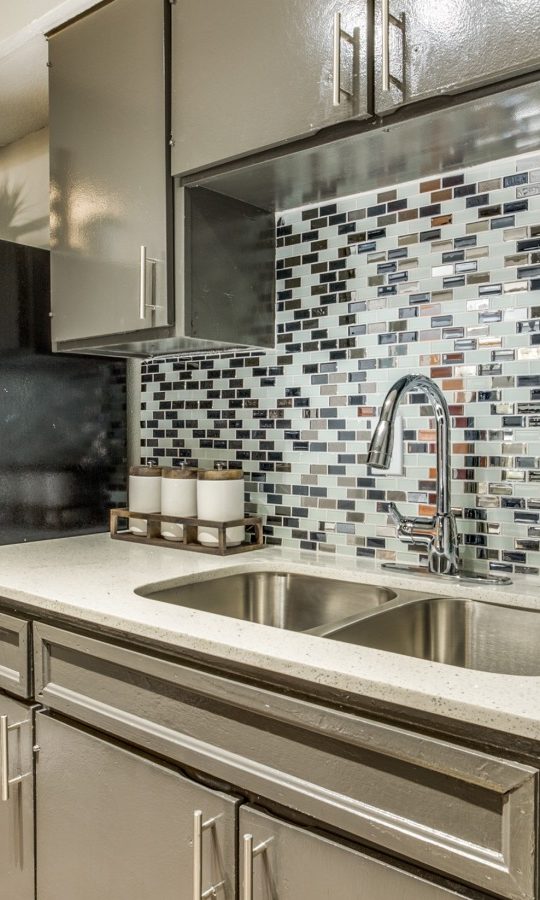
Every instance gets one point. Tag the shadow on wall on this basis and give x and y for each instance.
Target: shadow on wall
(12, 222)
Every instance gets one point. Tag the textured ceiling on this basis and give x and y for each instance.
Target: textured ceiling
(23, 90)
(23, 61)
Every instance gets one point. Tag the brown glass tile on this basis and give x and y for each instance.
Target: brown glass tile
(492, 184)
(453, 384)
(478, 278)
(432, 185)
(406, 215)
(441, 196)
(366, 412)
(386, 196)
(441, 372)
(437, 221)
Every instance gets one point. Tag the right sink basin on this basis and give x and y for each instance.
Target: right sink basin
(468, 633)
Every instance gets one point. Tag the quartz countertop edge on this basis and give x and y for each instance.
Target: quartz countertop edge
(92, 579)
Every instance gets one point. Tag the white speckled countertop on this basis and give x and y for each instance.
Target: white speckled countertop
(92, 579)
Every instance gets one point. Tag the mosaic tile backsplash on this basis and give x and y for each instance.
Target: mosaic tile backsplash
(440, 277)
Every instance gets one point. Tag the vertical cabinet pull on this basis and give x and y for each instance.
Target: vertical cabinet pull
(337, 59)
(5, 781)
(250, 852)
(387, 20)
(199, 827)
(143, 279)
(339, 35)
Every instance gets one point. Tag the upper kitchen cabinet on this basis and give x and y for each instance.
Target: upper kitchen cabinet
(109, 151)
(251, 74)
(425, 48)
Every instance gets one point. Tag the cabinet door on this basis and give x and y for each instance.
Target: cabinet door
(108, 171)
(442, 48)
(248, 74)
(16, 801)
(281, 860)
(113, 825)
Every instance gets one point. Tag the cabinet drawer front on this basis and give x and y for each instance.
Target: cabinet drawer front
(270, 850)
(456, 810)
(15, 655)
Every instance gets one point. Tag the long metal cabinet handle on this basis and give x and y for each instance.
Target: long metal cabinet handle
(142, 284)
(5, 781)
(339, 36)
(337, 59)
(387, 20)
(199, 827)
(4, 757)
(250, 852)
(144, 260)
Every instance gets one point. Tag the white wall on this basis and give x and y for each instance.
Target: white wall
(24, 190)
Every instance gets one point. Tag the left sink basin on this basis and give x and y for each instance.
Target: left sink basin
(280, 599)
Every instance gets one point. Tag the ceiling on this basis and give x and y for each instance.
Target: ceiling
(23, 61)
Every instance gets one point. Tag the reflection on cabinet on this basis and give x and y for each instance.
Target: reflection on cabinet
(249, 74)
(108, 132)
(281, 860)
(16, 800)
(114, 825)
(440, 48)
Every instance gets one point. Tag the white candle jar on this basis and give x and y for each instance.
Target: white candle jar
(220, 498)
(178, 498)
(144, 494)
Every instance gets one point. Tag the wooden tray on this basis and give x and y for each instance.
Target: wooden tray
(189, 540)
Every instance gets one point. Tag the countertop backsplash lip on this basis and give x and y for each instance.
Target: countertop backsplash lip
(440, 276)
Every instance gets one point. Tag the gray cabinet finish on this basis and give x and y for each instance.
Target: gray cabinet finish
(108, 170)
(456, 810)
(15, 655)
(17, 812)
(249, 74)
(292, 864)
(112, 825)
(444, 48)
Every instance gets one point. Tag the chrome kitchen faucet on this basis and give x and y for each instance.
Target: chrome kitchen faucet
(438, 533)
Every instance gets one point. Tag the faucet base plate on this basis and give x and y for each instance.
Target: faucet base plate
(467, 576)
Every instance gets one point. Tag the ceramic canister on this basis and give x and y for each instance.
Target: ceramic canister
(178, 498)
(144, 494)
(220, 497)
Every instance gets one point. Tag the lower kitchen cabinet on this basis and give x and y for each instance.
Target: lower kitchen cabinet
(16, 800)
(114, 825)
(282, 861)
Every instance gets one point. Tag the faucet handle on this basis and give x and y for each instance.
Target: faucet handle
(395, 514)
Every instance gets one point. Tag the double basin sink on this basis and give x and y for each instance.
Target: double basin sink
(470, 634)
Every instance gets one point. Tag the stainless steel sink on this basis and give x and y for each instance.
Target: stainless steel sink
(466, 633)
(282, 600)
